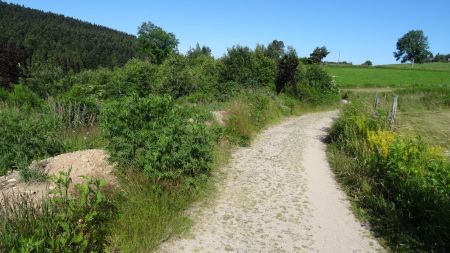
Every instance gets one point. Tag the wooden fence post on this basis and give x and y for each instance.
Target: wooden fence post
(393, 113)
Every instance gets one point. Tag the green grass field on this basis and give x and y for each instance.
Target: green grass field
(439, 66)
(395, 76)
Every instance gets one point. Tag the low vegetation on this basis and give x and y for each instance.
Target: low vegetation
(64, 223)
(153, 116)
(398, 182)
(165, 140)
(25, 137)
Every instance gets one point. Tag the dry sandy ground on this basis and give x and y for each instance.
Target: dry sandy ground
(92, 163)
(278, 195)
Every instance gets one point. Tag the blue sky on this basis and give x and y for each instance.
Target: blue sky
(359, 30)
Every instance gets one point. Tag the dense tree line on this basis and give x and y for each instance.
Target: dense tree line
(440, 58)
(32, 37)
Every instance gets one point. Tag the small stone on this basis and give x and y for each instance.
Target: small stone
(191, 120)
(12, 180)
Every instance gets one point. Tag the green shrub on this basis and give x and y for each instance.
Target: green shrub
(205, 73)
(154, 134)
(136, 77)
(21, 96)
(93, 84)
(4, 95)
(317, 86)
(264, 69)
(237, 66)
(25, 136)
(175, 77)
(42, 77)
(63, 223)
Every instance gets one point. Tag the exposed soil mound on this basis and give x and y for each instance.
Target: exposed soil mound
(91, 163)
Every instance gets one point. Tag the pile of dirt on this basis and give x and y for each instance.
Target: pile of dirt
(90, 163)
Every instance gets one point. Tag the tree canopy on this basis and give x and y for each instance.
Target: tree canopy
(318, 55)
(154, 43)
(29, 36)
(275, 49)
(412, 47)
(287, 69)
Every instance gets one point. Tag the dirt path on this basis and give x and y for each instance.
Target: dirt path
(279, 195)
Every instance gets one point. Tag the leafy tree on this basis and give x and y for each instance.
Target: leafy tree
(197, 51)
(42, 78)
(287, 69)
(412, 47)
(275, 49)
(154, 43)
(318, 55)
(29, 36)
(205, 71)
(237, 65)
(367, 63)
(264, 68)
(10, 59)
(441, 58)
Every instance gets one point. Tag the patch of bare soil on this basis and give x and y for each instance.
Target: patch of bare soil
(91, 163)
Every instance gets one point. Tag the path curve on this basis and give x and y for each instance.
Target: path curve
(278, 195)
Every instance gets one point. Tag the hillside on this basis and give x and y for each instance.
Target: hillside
(32, 36)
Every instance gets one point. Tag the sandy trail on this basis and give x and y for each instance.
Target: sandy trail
(278, 195)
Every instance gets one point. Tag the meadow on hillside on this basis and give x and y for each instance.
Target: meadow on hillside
(396, 76)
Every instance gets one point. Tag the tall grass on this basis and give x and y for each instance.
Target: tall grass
(74, 114)
(150, 212)
(398, 183)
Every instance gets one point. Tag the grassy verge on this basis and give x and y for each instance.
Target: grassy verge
(397, 181)
(421, 111)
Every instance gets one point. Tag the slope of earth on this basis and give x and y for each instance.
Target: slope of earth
(91, 163)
